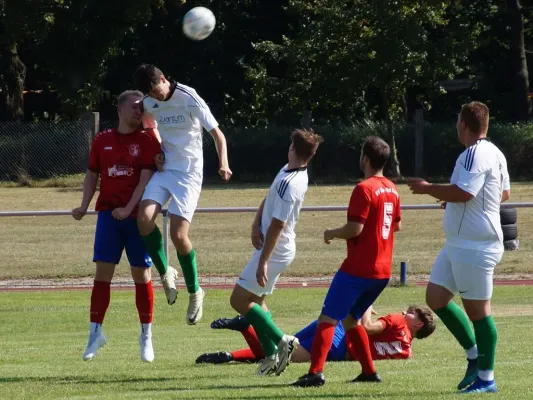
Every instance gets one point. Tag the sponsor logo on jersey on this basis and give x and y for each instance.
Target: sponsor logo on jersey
(134, 150)
(119, 170)
(108, 148)
(173, 119)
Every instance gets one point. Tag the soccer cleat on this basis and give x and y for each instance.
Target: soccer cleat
(238, 323)
(310, 380)
(169, 284)
(147, 349)
(268, 365)
(96, 340)
(222, 357)
(195, 309)
(470, 375)
(481, 386)
(286, 346)
(367, 378)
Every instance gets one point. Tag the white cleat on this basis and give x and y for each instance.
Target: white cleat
(147, 349)
(195, 309)
(286, 346)
(169, 284)
(96, 340)
(268, 366)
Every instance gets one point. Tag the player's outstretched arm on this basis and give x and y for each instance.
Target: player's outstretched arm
(124, 212)
(257, 236)
(89, 188)
(350, 230)
(446, 193)
(271, 239)
(222, 150)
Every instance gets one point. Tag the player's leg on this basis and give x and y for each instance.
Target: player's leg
(439, 293)
(370, 290)
(155, 195)
(474, 270)
(108, 248)
(247, 331)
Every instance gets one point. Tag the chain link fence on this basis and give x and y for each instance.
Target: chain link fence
(45, 149)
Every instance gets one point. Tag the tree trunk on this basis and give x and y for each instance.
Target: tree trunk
(11, 84)
(394, 163)
(518, 54)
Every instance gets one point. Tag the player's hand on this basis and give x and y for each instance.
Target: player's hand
(443, 205)
(261, 274)
(159, 160)
(328, 236)
(120, 213)
(418, 185)
(78, 213)
(257, 237)
(225, 173)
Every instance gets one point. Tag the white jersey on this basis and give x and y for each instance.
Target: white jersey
(179, 121)
(284, 201)
(480, 170)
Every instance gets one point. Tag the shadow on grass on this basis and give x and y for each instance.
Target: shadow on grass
(67, 380)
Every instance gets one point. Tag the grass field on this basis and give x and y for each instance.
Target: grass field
(59, 247)
(45, 333)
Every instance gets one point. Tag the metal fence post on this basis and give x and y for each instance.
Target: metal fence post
(94, 118)
(403, 272)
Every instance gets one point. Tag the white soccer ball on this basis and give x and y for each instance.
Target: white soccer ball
(199, 23)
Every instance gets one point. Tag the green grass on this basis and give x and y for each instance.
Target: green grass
(59, 247)
(45, 333)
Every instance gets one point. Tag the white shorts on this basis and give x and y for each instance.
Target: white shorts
(181, 188)
(466, 271)
(248, 279)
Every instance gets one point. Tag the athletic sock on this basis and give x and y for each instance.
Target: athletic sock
(321, 346)
(472, 353)
(361, 345)
(156, 249)
(144, 300)
(189, 269)
(244, 355)
(100, 298)
(268, 333)
(253, 341)
(486, 337)
(458, 324)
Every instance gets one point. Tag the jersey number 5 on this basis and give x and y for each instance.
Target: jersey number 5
(388, 210)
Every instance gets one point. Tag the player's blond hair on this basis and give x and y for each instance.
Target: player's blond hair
(306, 142)
(122, 97)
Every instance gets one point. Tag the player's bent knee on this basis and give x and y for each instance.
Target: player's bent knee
(437, 296)
(141, 274)
(325, 319)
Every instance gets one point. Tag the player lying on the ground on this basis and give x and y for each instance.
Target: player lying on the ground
(390, 338)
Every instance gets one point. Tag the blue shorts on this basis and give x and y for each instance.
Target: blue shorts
(337, 352)
(351, 295)
(113, 236)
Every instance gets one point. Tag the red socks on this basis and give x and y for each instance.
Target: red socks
(253, 341)
(359, 339)
(100, 299)
(321, 346)
(244, 355)
(144, 299)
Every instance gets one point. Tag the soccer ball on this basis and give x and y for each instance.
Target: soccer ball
(199, 23)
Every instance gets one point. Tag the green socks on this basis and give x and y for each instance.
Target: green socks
(486, 337)
(458, 324)
(267, 332)
(155, 246)
(190, 272)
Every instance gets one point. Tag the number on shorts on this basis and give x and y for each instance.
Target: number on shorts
(388, 210)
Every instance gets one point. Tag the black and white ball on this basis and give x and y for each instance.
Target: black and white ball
(199, 23)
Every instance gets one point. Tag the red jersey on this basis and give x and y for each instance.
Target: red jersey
(393, 343)
(119, 159)
(375, 202)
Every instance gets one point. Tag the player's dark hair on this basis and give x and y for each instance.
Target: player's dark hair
(475, 115)
(146, 77)
(426, 317)
(305, 142)
(377, 151)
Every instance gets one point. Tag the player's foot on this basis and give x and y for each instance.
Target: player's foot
(310, 380)
(169, 284)
(222, 357)
(286, 346)
(481, 386)
(238, 323)
(367, 378)
(147, 349)
(470, 375)
(268, 366)
(96, 340)
(195, 309)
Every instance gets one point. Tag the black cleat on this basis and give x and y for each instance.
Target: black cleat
(310, 380)
(375, 378)
(222, 357)
(238, 323)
